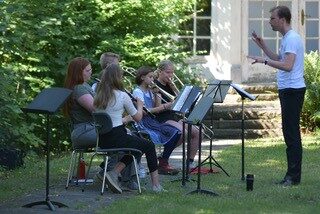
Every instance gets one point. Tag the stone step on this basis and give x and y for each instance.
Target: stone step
(262, 116)
(257, 88)
(248, 124)
(248, 104)
(236, 114)
(235, 98)
(248, 133)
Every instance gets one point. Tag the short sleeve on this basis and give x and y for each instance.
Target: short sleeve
(291, 46)
(80, 90)
(138, 93)
(128, 105)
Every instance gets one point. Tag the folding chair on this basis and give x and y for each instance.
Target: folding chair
(76, 155)
(103, 125)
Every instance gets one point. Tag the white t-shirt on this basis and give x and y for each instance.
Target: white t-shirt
(138, 93)
(116, 107)
(292, 43)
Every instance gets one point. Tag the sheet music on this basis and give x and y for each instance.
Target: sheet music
(182, 98)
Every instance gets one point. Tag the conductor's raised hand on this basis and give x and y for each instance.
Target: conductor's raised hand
(258, 40)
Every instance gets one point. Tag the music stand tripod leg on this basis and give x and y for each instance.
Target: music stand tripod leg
(199, 190)
(185, 176)
(47, 201)
(210, 157)
(242, 138)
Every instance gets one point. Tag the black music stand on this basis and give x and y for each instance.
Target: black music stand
(217, 90)
(195, 118)
(47, 102)
(243, 95)
(183, 104)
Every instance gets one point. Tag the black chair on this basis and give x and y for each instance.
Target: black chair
(76, 156)
(103, 125)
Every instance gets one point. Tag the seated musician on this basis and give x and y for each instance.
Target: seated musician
(111, 99)
(128, 179)
(160, 133)
(164, 81)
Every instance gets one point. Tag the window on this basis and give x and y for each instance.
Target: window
(312, 26)
(258, 18)
(196, 29)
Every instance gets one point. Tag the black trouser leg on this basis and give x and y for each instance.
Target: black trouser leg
(291, 101)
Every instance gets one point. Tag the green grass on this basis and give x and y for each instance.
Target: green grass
(265, 158)
(31, 176)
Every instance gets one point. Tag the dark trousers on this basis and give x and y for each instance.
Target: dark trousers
(118, 138)
(291, 101)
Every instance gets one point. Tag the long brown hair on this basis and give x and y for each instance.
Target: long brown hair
(110, 81)
(142, 71)
(74, 77)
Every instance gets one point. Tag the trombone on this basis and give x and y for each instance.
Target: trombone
(170, 96)
(132, 72)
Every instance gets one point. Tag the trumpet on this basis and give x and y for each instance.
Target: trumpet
(165, 93)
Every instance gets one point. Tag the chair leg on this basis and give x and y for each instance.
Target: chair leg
(70, 172)
(104, 173)
(137, 174)
(88, 171)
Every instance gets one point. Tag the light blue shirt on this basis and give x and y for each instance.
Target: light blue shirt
(292, 43)
(145, 96)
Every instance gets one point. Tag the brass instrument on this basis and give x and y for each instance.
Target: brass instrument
(178, 79)
(170, 96)
(129, 70)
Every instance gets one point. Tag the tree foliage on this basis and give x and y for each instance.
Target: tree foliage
(38, 38)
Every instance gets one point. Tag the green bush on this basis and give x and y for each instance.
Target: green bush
(311, 109)
(14, 130)
(38, 39)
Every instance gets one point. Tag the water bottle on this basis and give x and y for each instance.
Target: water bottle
(82, 169)
(142, 172)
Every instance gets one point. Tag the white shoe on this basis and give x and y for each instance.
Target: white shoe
(192, 165)
(158, 189)
(112, 181)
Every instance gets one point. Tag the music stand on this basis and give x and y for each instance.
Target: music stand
(48, 103)
(217, 90)
(243, 95)
(183, 104)
(195, 118)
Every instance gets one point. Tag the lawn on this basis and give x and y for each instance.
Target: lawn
(265, 158)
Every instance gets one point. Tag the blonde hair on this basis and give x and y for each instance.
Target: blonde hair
(165, 64)
(107, 59)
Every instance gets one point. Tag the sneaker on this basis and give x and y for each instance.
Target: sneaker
(165, 168)
(192, 165)
(129, 185)
(158, 189)
(287, 182)
(112, 181)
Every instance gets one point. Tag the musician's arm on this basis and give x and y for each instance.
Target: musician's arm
(137, 93)
(157, 99)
